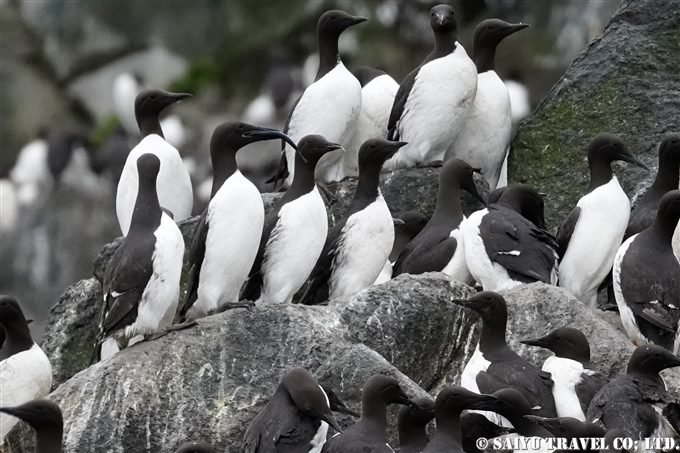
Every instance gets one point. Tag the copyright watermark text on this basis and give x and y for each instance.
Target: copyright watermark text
(577, 444)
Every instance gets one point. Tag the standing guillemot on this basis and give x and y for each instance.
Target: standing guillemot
(484, 139)
(195, 447)
(434, 100)
(450, 403)
(228, 233)
(295, 419)
(329, 107)
(586, 258)
(294, 231)
(141, 283)
(507, 244)
(412, 423)
(358, 245)
(474, 426)
(174, 185)
(495, 366)
(46, 420)
(370, 432)
(637, 402)
(576, 379)
(439, 247)
(406, 227)
(647, 283)
(25, 371)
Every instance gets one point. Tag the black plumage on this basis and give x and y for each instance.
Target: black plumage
(15, 334)
(570, 429)
(474, 426)
(46, 420)
(511, 404)
(406, 227)
(412, 424)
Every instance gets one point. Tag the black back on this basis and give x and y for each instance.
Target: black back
(46, 420)
(17, 335)
(512, 405)
(412, 423)
(412, 223)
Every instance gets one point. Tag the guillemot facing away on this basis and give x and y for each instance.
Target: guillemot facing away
(358, 245)
(295, 419)
(25, 371)
(637, 402)
(294, 231)
(141, 283)
(329, 107)
(495, 366)
(646, 280)
(439, 247)
(585, 257)
(484, 139)
(46, 420)
(174, 185)
(228, 233)
(412, 423)
(370, 432)
(434, 100)
(507, 245)
(576, 380)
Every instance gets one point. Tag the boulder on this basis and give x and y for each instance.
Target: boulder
(625, 82)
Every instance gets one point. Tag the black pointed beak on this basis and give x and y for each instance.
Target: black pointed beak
(540, 342)
(514, 28)
(632, 160)
(394, 147)
(546, 423)
(475, 194)
(346, 410)
(263, 133)
(398, 222)
(484, 403)
(176, 97)
(328, 418)
(355, 21)
(13, 411)
(441, 18)
(672, 362)
(467, 303)
(327, 148)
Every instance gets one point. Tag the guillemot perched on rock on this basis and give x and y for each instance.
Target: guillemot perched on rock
(450, 403)
(507, 244)
(637, 402)
(495, 366)
(377, 96)
(294, 231)
(228, 233)
(587, 258)
(484, 139)
(141, 284)
(295, 419)
(439, 247)
(25, 371)
(412, 423)
(195, 447)
(434, 100)
(647, 280)
(406, 227)
(358, 245)
(576, 380)
(370, 432)
(330, 106)
(46, 420)
(174, 185)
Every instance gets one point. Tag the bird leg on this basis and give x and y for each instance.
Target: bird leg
(167, 330)
(248, 305)
(326, 194)
(431, 164)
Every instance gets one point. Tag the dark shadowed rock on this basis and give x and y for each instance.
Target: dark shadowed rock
(626, 82)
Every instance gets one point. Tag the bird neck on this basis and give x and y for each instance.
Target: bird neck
(412, 435)
(600, 174)
(449, 209)
(667, 178)
(448, 427)
(147, 213)
(224, 165)
(663, 229)
(329, 55)
(484, 58)
(150, 125)
(444, 44)
(48, 442)
(303, 180)
(17, 339)
(374, 414)
(367, 188)
(493, 335)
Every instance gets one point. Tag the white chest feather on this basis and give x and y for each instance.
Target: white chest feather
(484, 138)
(329, 107)
(365, 244)
(457, 267)
(173, 183)
(625, 312)
(294, 247)
(436, 108)
(566, 374)
(23, 377)
(159, 299)
(235, 219)
(475, 365)
(596, 238)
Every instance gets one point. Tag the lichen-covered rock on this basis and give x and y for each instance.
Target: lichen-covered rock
(625, 82)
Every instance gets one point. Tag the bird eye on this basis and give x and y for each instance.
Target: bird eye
(432, 14)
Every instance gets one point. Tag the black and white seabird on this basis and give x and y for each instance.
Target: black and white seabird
(294, 231)
(370, 432)
(25, 370)
(570, 429)
(474, 426)
(196, 447)
(576, 379)
(440, 247)
(377, 96)
(507, 244)
(46, 420)
(359, 244)
(434, 100)
(330, 106)
(451, 402)
(174, 185)
(295, 419)
(141, 284)
(228, 233)
(495, 366)
(592, 233)
(406, 227)
(647, 280)
(484, 140)
(412, 423)
(638, 402)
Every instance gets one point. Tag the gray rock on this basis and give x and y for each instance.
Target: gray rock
(624, 83)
